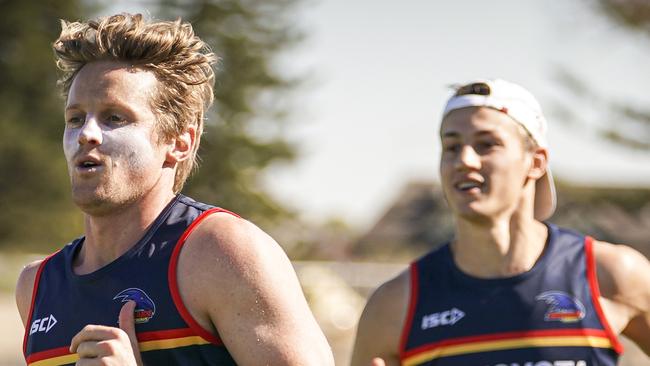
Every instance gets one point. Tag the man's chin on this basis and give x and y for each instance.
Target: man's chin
(92, 203)
(473, 215)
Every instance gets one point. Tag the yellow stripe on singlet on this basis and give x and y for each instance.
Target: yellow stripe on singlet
(144, 347)
(503, 344)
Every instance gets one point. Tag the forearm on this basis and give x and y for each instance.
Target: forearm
(638, 331)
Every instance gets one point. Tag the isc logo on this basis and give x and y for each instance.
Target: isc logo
(42, 325)
(448, 317)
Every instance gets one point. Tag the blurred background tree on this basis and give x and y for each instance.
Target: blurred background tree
(35, 208)
(625, 122)
(633, 14)
(243, 134)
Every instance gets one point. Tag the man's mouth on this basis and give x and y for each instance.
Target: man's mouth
(88, 164)
(469, 186)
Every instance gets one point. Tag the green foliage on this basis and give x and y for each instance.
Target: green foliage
(250, 96)
(35, 211)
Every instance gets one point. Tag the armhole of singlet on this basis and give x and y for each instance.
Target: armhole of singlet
(413, 299)
(595, 294)
(173, 283)
(37, 280)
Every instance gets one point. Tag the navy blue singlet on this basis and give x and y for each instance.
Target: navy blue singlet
(63, 302)
(548, 316)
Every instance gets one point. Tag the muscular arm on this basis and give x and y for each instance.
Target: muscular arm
(381, 323)
(624, 280)
(235, 278)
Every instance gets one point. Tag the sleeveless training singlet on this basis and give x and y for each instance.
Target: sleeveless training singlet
(548, 316)
(63, 302)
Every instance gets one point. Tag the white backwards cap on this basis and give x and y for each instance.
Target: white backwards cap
(521, 106)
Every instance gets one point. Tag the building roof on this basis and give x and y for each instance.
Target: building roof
(419, 220)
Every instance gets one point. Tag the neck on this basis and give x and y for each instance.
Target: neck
(107, 237)
(500, 247)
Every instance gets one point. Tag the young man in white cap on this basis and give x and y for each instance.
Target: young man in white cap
(508, 289)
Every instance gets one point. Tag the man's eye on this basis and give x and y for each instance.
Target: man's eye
(75, 121)
(486, 145)
(451, 147)
(114, 118)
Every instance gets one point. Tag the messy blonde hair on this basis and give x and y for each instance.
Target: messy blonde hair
(181, 62)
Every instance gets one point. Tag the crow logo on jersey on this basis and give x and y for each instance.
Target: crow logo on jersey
(144, 306)
(562, 307)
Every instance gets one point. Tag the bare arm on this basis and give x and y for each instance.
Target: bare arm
(235, 278)
(624, 280)
(24, 289)
(381, 323)
(638, 330)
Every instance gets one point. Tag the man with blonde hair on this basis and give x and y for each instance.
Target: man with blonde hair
(509, 289)
(157, 278)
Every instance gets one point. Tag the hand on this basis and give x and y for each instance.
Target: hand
(106, 346)
(377, 362)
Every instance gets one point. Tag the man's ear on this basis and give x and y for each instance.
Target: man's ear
(539, 163)
(181, 146)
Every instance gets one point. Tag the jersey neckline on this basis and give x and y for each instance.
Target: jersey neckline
(78, 244)
(541, 263)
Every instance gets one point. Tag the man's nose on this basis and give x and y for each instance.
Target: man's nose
(91, 132)
(468, 158)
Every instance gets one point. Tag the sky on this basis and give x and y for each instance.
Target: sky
(366, 119)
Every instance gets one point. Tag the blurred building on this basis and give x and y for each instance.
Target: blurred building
(419, 220)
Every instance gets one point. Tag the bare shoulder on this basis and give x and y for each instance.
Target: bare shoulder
(225, 251)
(391, 297)
(382, 321)
(233, 243)
(623, 274)
(25, 287)
(234, 277)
